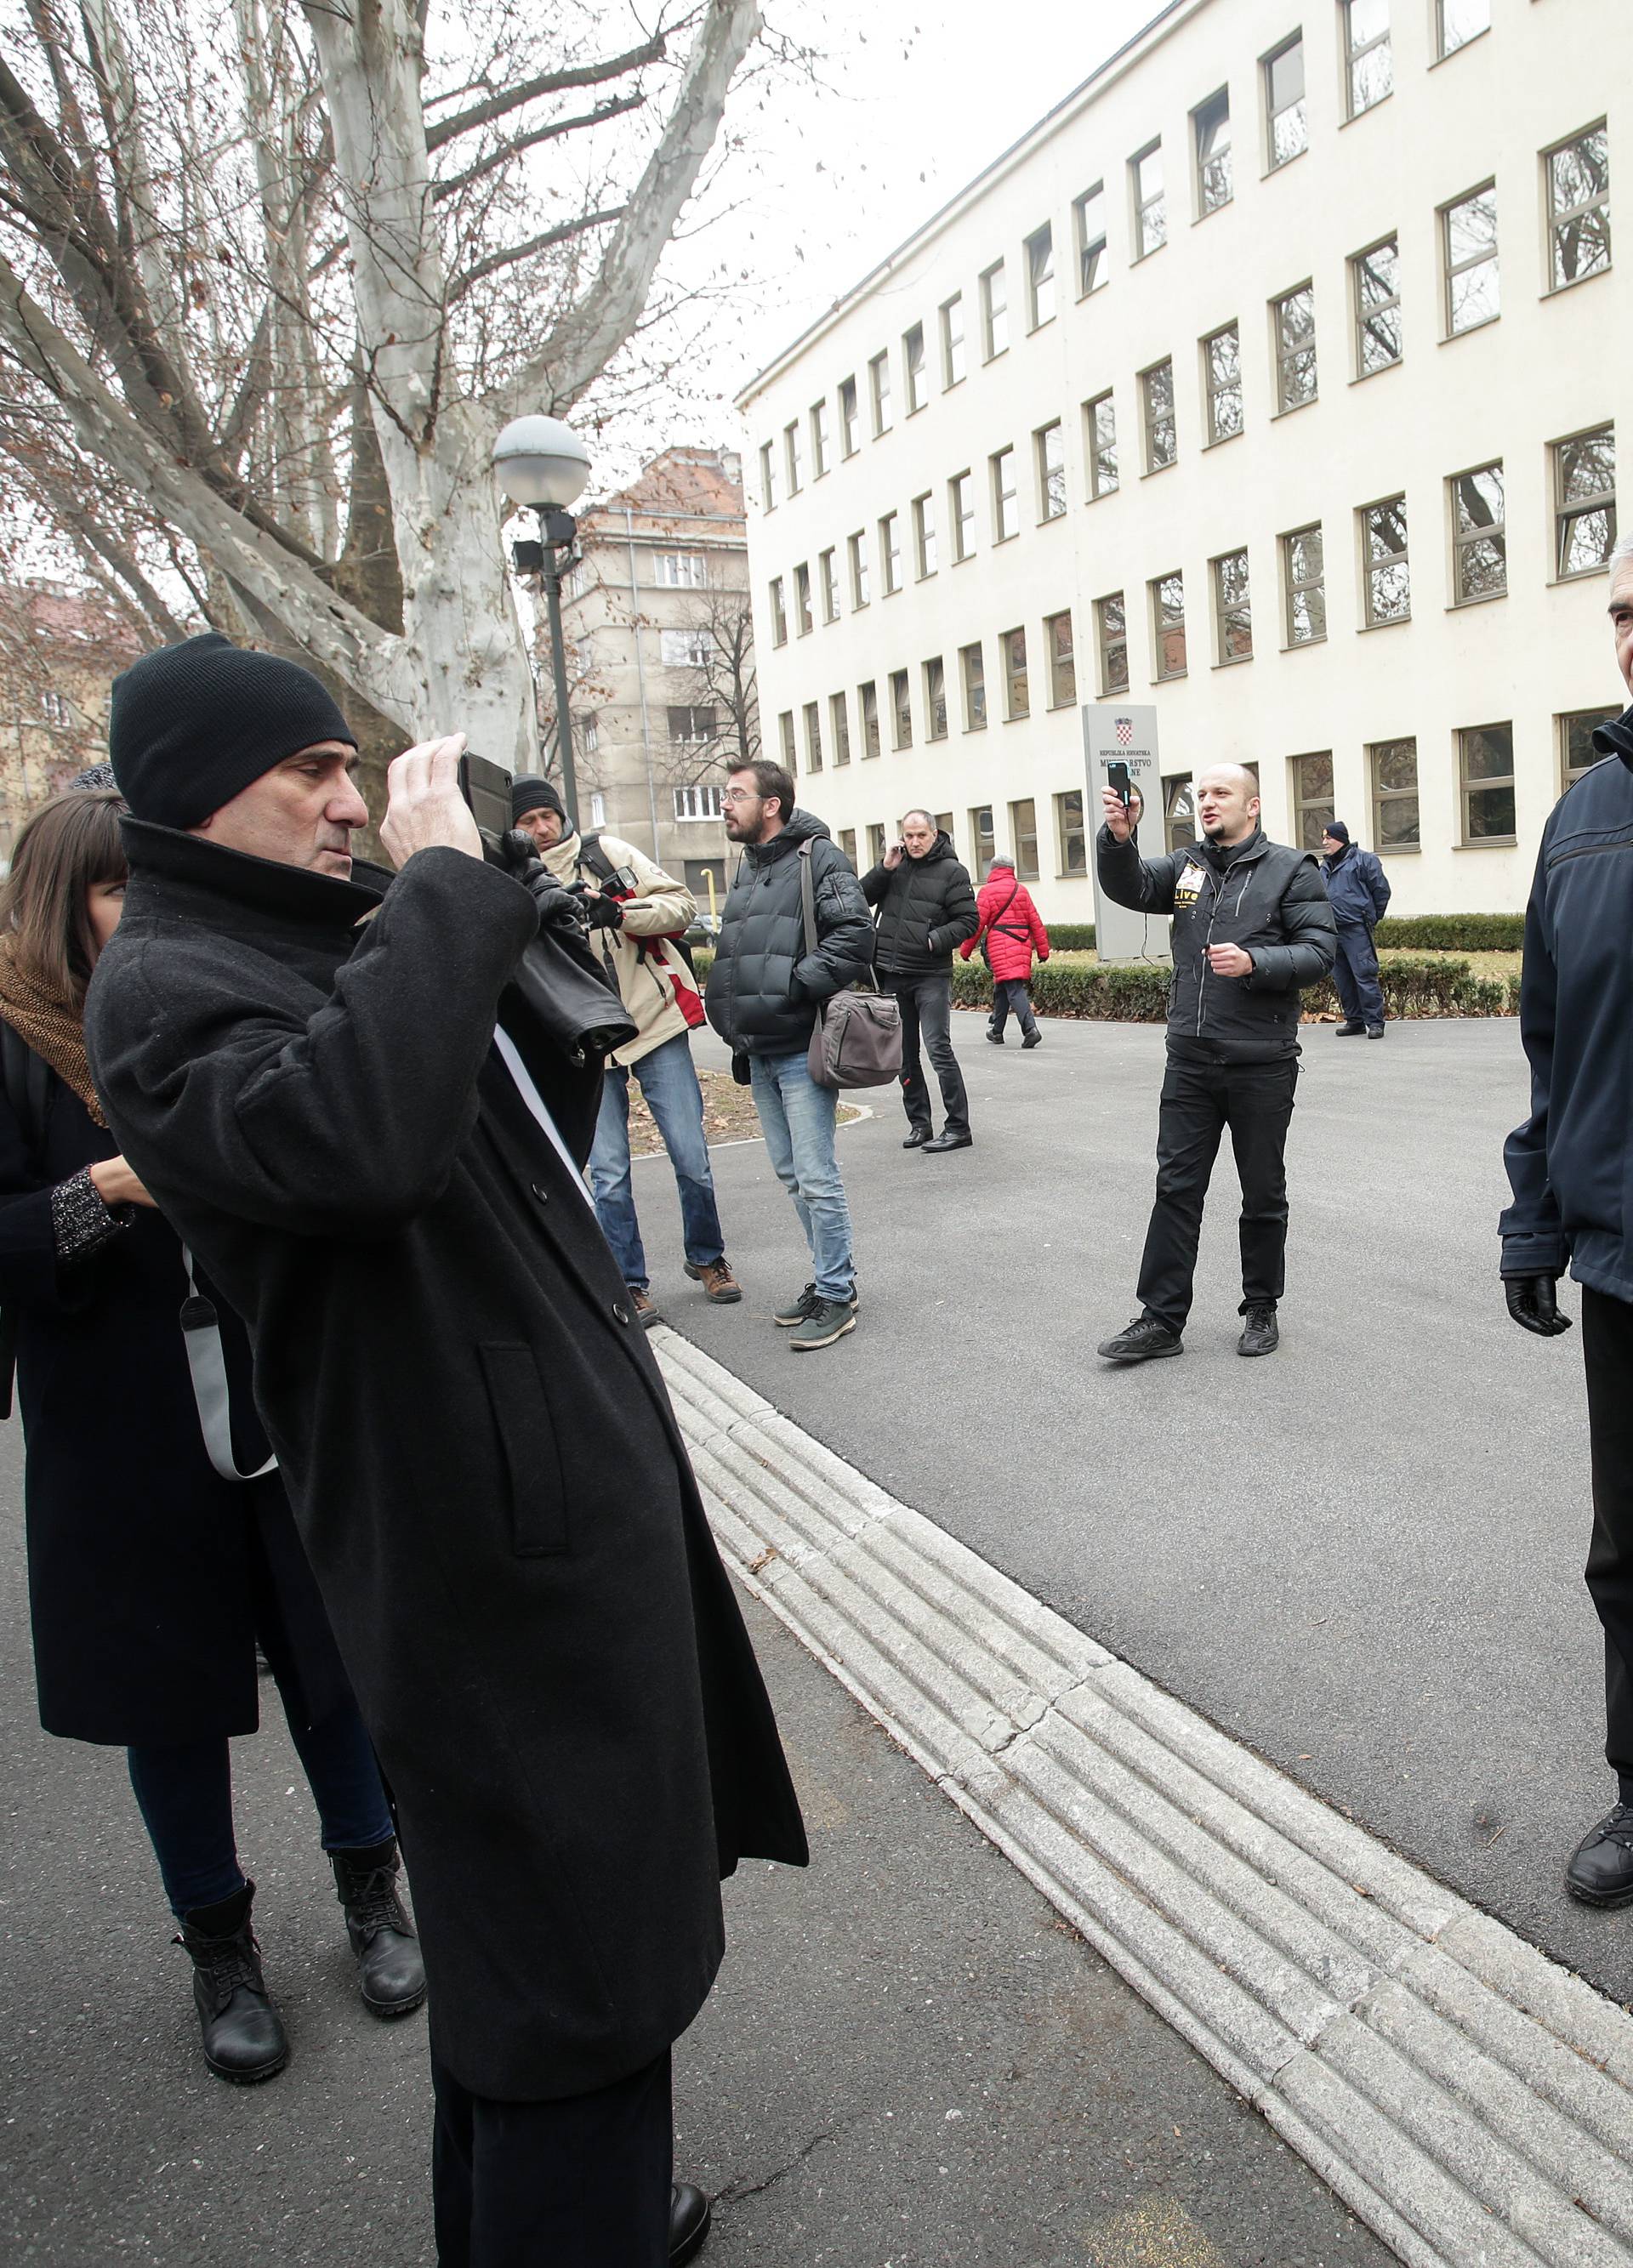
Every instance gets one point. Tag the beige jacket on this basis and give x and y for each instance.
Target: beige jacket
(648, 981)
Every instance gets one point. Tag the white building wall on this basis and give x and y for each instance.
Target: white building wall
(1554, 364)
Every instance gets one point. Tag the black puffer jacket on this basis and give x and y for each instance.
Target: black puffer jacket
(1264, 897)
(764, 987)
(926, 906)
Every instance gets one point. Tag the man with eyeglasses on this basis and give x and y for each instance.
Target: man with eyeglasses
(763, 993)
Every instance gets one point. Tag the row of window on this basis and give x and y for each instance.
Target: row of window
(1485, 774)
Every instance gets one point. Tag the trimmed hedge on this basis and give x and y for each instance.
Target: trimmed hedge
(1070, 937)
(1432, 985)
(1454, 933)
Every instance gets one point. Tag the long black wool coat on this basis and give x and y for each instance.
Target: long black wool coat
(149, 1576)
(482, 1461)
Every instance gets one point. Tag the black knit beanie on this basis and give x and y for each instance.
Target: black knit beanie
(192, 725)
(536, 795)
(1336, 828)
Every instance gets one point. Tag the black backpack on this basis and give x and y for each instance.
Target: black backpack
(27, 1079)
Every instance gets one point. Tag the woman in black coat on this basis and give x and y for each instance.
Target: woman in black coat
(152, 1571)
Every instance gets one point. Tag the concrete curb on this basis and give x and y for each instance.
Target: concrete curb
(1468, 2099)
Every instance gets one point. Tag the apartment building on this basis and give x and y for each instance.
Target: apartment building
(1274, 379)
(662, 659)
(60, 651)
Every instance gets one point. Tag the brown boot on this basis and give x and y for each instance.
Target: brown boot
(719, 1284)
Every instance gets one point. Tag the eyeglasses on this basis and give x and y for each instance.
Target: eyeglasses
(740, 795)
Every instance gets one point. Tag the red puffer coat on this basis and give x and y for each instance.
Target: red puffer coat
(1011, 928)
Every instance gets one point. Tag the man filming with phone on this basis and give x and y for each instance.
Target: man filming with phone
(1252, 925)
(343, 1090)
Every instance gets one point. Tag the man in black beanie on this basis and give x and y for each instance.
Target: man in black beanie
(328, 1079)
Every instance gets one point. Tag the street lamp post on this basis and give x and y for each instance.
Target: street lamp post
(542, 464)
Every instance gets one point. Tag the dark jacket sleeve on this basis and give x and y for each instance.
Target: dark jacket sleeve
(1312, 938)
(346, 1122)
(1377, 883)
(31, 1275)
(1534, 1236)
(1145, 884)
(844, 929)
(962, 919)
(875, 883)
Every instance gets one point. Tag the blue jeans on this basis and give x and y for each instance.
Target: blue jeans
(669, 1083)
(798, 1118)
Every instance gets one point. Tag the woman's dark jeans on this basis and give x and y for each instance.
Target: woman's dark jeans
(1012, 994)
(185, 1794)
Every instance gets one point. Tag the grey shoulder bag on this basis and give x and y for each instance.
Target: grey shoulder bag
(857, 1038)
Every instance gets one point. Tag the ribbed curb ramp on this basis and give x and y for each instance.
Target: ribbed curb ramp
(1467, 2098)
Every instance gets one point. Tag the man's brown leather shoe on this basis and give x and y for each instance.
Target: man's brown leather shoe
(719, 1284)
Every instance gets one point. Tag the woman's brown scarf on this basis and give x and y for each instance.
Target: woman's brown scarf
(47, 1025)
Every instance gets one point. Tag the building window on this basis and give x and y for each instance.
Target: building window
(1039, 249)
(1485, 758)
(1050, 451)
(961, 513)
(1145, 175)
(768, 478)
(1233, 619)
(1293, 315)
(1313, 810)
(857, 546)
(1070, 843)
(890, 552)
(795, 451)
(952, 340)
(681, 571)
(1222, 373)
(1369, 64)
(692, 728)
(1375, 280)
(1578, 206)
(936, 699)
(850, 439)
(848, 843)
(1469, 248)
(1111, 624)
(1089, 223)
(1168, 624)
(802, 602)
(1287, 126)
(779, 613)
(1017, 700)
(813, 736)
(879, 391)
(1479, 543)
(876, 844)
(1383, 558)
(1179, 813)
(785, 734)
(1577, 752)
(1304, 579)
(1156, 395)
(1584, 502)
(819, 440)
(1057, 644)
(983, 842)
(868, 701)
(994, 312)
(830, 585)
(702, 800)
(924, 534)
(1006, 510)
(1394, 768)
(839, 729)
(913, 367)
(1100, 436)
(901, 710)
(972, 670)
(1210, 125)
(1024, 835)
(1459, 21)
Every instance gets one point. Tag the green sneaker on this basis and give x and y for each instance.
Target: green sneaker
(806, 1303)
(828, 1319)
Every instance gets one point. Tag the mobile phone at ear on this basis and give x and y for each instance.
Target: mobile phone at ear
(1118, 779)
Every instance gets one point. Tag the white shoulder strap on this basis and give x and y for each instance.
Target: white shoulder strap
(201, 1332)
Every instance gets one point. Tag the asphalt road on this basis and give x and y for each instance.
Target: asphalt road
(909, 2062)
(1362, 1556)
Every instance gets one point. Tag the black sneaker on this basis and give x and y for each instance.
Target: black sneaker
(1032, 1040)
(1143, 1341)
(1600, 1870)
(1260, 1333)
(829, 1320)
(996, 1038)
(1375, 1031)
(787, 1319)
(1351, 1030)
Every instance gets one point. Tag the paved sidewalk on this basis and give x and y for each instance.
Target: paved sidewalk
(909, 2060)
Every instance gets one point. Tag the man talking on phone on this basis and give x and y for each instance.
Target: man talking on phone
(1252, 925)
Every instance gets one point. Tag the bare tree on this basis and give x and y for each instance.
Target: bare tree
(721, 679)
(272, 277)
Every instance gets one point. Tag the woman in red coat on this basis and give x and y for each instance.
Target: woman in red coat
(1011, 931)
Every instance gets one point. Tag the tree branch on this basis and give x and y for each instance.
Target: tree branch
(500, 105)
(518, 142)
(510, 253)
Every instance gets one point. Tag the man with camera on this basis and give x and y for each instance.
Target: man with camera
(924, 907)
(1569, 1166)
(635, 913)
(1250, 926)
(345, 1090)
(764, 993)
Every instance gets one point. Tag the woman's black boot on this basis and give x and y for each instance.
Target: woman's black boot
(243, 2034)
(391, 1975)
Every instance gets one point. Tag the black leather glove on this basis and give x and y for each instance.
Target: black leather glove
(1532, 1303)
(557, 908)
(602, 913)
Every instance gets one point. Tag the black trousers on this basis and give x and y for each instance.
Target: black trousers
(580, 2183)
(1012, 995)
(1354, 976)
(1607, 1352)
(926, 1004)
(1200, 1100)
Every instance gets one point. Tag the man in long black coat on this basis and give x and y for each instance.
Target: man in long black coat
(334, 1090)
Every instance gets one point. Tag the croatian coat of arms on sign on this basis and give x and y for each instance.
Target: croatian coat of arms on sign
(1125, 731)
